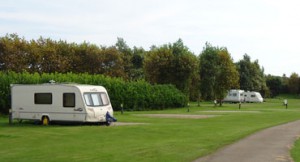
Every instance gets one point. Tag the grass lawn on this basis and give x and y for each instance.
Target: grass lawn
(159, 139)
(296, 151)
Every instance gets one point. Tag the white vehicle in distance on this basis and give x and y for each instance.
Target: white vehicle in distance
(236, 96)
(252, 97)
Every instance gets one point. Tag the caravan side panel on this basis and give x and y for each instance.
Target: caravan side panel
(35, 101)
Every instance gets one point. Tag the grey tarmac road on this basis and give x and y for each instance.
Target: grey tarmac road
(269, 145)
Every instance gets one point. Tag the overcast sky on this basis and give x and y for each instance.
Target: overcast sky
(267, 30)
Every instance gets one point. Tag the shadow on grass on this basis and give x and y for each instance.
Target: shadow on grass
(29, 123)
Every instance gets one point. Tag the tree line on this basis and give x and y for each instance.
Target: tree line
(206, 76)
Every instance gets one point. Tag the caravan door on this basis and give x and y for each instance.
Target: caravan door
(246, 97)
(73, 106)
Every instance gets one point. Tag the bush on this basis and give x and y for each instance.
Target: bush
(138, 95)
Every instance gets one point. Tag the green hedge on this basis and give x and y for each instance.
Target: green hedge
(138, 95)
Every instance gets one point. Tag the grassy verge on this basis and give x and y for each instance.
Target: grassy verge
(296, 151)
(160, 139)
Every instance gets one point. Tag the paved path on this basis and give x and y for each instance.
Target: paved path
(269, 145)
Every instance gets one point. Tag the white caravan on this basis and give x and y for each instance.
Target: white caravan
(234, 95)
(61, 102)
(252, 97)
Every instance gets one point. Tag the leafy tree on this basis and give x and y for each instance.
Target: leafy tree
(257, 76)
(184, 65)
(227, 75)
(251, 75)
(34, 57)
(122, 46)
(126, 55)
(87, 58)
(137, 60)
(208, 71)
(13, 53)
(110, 63)
(50, 59)
(95, 60)
(285, 84)
(217, 72)
(138, 57)
(275, 85)
(171, 64)
(132, 60)
(157, 65)
(50, 56)
(244, 67)
(293, 83)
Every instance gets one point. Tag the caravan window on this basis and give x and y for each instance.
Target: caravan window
(96, 99)
(104, 99)
(43, 98)
(69, 99)
(253, 96)
(234, 94)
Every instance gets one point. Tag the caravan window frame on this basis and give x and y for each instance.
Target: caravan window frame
(66, 103)
(96, 99)
(43, 98)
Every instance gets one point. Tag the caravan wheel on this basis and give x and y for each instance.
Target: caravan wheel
(45, 120)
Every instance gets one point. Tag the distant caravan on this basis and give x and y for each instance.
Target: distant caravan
(236, 96)
(252, 97)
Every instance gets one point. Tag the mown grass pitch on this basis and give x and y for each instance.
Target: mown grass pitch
(156, 139)
(296, 151)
